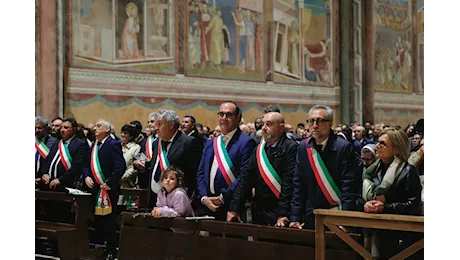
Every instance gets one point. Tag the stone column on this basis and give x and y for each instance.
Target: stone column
(48, 67)
(345, 58)
(368, 64)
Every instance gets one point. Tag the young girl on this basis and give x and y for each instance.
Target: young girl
(172, 200)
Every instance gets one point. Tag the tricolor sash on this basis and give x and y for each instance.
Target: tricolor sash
(103, 203)
(323, 177)
(65, 155)
(223, 160)
(270, 176)
(41, 148)
(162, 158)
(148, 147)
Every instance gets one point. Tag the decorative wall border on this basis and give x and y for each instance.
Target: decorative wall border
(100, 82)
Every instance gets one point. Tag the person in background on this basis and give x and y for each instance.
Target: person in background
(56, 127)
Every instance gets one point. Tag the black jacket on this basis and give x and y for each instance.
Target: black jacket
(404, 195)
(267, 206)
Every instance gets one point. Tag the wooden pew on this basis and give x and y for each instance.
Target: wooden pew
(332, 218)
(72, 239)
(145, 237)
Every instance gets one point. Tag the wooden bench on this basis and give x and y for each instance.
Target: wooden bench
(134, 192)
(332, 218)
(145, 237)
(72, 239)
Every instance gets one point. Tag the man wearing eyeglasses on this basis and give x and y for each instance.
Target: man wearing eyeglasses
(224, 158)
(327, 172)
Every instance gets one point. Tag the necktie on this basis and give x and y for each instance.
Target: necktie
(164, 145)
(269, 150)
(98, 143)
(319, 148)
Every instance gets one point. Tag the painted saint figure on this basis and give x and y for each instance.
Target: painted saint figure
(239, 22)
(129, 47)
(215, 28)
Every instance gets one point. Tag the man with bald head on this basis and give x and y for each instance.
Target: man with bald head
(360, 139)
(270, 172)
(224, 158)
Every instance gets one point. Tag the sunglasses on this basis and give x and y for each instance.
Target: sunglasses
(319, 121)
(227, 115)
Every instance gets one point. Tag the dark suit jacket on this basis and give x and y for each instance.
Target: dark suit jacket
(184, 154)
(267, 206)
(358, 145)
(200, 139)
(344, 166)
(112, 163)
(78, 150)
(49, 142)
(239, 149)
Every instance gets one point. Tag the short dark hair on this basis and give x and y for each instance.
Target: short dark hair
(191, 118)
(179, 175)
(71, 120)
(56, 118)
(130, 130)
(199, 125)
(136, 124)
(271, 108)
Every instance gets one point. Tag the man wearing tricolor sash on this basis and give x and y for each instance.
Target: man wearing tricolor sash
(63, 167)
(43, 144)
(328, 171)
(224, 158)
(102, 177)
(147, 150)
(271, 169)
(172, 148)
(66, 160)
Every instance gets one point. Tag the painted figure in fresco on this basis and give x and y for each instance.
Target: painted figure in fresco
(227, 43)
(191, 52)
(241, 28)
(389, 66)
(293, 39)
(317, 53)
(250, 32)
(258, 42)
(406, 65)
(205, 39)
(215, 28)
(129, 46)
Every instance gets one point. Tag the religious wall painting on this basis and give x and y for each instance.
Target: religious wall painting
(225, 39)
(303, 42)
(419, 21)
(133, 35)
(393, 67)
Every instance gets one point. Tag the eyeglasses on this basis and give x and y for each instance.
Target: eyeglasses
(319, 121)
(151, 121)
(227, 115)
(381, 143)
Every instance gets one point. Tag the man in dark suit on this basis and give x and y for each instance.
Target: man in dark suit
(102, 177)
(224, 159)
(181, 150)
(360, 139)
(328, 171)
(273, 190)
(66, 160)
(63, 167)
(43, 144)
(189, 128)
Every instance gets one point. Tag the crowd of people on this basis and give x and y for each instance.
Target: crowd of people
(280, 173)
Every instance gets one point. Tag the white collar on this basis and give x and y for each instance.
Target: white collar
(191, 132)
(69, 140)
(230, 134)
(172, 138)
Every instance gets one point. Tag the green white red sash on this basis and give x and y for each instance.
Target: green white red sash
(223, 160)
(103, 203)
(41, 148)
(148, 148)
(65, 155)
(270, 176)
(162, 158)
(323, 177)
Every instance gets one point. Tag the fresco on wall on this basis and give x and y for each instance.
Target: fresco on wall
(420, 48)
(393, 53)
(124, 34)
(302, 51)
(225, 40)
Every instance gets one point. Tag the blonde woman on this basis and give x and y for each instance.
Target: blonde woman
(391, 185)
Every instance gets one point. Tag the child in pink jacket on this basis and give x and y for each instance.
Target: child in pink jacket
(172, 200)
